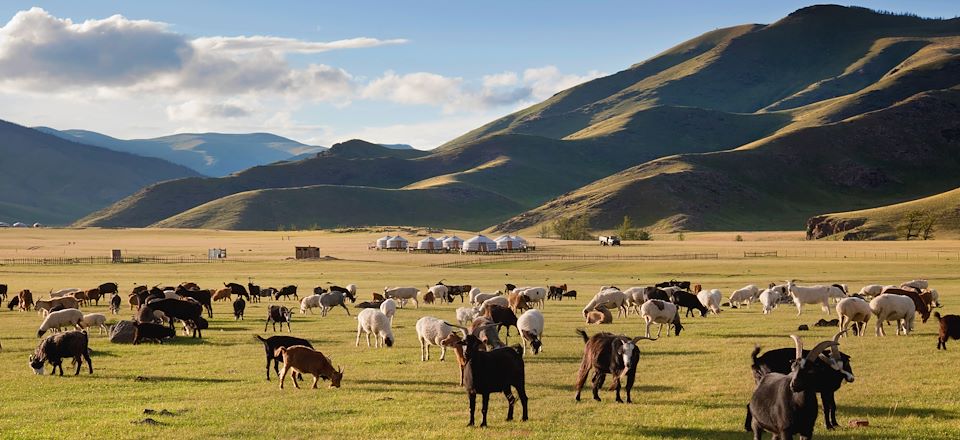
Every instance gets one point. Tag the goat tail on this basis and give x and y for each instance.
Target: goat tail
(260, 338)
(583, 335)
(748, 423)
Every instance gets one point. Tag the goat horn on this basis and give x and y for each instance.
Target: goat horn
(454, 325)
(799, 345)
(836, 337)
(818, 349)
(641, 338)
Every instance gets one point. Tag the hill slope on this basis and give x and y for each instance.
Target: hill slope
(47, 179)
(882, 223)
(212, 154)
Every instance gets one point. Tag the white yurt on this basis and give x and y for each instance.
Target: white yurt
(382, 242)
(479, 243)
(452, 242)
(429, 244)
(520, 239)
(507, 243)
(397, 242)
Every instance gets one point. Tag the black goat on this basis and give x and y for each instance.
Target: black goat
(3, 292)
(685, 285)
(14, 302)
(106, 288)
(204, 297)
(688, 300)
(238, 307)
(556, 292)
(271, 344)
(786, 404)
(570, 294)
(502, 316)
(949, 328)
(278, 314)
(287, 291)
(177, 309)
(115, 304)
(237, 289)
(368, 305)
(151, 332)
(254, 292)
(196, 326)
(495, 371)
(651, 292)
(320, 290)
(53, 349)
(609, 354)
(828, 380)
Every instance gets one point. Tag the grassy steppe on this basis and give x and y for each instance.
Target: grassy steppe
(692, 386)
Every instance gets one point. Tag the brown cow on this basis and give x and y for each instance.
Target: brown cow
(26, 300)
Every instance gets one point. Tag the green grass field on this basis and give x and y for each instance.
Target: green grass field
(692, 386)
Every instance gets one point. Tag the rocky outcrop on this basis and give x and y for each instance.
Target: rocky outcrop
(826, 226)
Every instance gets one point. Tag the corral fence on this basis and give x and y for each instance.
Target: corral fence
(759, 254)
(468, 261)
(64, 261)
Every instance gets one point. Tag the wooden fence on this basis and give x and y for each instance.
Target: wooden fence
(759, 254)
(467, 261)
(63, 261)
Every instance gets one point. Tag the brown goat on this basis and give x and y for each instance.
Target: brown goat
(26, 300)
(305, 360)
(223, 294)
(949, 328)
(453, 341)
(599, 315)
(80, 296)
(134, 301)
(94, 295)
(917, 301)
(518, 302)
(378, 297)
(429, 298)
(66, 302)
(606, 353)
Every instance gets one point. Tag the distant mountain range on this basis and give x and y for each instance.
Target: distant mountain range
(50, 180)
(211, 154)
(753, 127)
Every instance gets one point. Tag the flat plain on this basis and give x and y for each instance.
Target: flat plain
(692, 386)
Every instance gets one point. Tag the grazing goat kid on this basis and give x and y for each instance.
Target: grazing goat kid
(747, 294)
(466, 315)
(949, 328)
(55, 348)
(302, 359)
(608, 354)
(610, 298)
(373, 321)
(278, 314)
(495, 371)
(115, 304)
(310, 302)
(271, 344)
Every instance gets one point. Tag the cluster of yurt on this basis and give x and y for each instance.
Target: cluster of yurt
(478, 243)
(452, 242)
(510, 243)
(390, 242)
(429, 244)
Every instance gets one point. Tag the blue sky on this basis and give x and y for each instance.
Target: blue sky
(427, 72)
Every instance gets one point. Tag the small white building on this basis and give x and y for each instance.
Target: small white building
(452, 242)
(397, 242)
(479, 243)
(429, 244)
(382, 242)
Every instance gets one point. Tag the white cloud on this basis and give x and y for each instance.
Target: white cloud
(286, 45)
(422, 135)
(199, 110)
(416, 88)
(548, 80)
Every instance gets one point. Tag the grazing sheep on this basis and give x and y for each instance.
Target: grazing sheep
(518, 302)
(534, 295)
(334, 298)
(152, 332)
(271, 345)
(301, 359)
(60, 319)
(310, 302)
(480, 298)
(915, 284)
(949, 328)
(63, 292)
(711, 300)
(746, 294)
(389, 308)
(818, 294)
(889, 307)
(770, 297)
(432, 331)
(853, 311)
(611, 298)
(55, 348)
(372, 321)
(501, 301)
(239, 306)
(608, 354)
(635, 298)
(278, 314)
(495, 371)
(95, 320)
(530, 325)
(600, 315)
(474, 291)
(466, 315)
(661, 312)
(919, 303)
(871, 290)
(402, 293)
(438, 291)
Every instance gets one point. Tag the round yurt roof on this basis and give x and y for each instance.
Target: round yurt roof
(503, 237)
(397, 239)
(453, 239)
(429, 240)
(382, 241)
(520, 239)
(476, 242)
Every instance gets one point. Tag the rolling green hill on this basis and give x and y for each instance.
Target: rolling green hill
(715, 133)
(46, 179)
(882, 223)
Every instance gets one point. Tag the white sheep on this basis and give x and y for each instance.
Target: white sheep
(432, 331)
(711, 299)
(479, 298)
(530, 324)
(609, 298)
(389, 307)
(63, 292)
(309, 303)
(95, 320)
(535, 295)
(746, 294)
(871, 290)
(403, 294)
(466, 315)
(634, 298)
(916, 284)
(852, 311)
(818, 294)
(891, 307)
(60, 319)
(373, 321)
(769, 298)
(439, 292)
(497, 300)
(473, 293)
(660, 312)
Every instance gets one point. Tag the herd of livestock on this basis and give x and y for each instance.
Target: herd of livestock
(788, 380)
